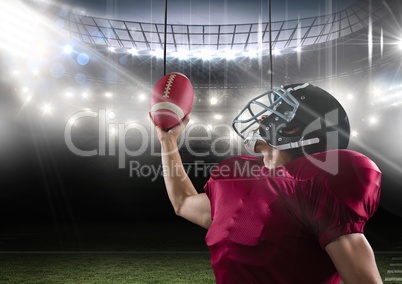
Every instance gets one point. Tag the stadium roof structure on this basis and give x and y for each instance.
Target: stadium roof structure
(144, 38)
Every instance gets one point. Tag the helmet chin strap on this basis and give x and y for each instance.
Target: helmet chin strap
(251, 141)
(297, 144)
(253, 137)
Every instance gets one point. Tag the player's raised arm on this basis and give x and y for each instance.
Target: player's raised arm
(171, 101)
(186, 201)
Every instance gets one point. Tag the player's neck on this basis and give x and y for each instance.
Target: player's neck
(274, 158)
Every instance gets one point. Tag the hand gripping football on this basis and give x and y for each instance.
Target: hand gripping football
(171, 100)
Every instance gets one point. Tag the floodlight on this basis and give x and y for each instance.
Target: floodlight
(206, 55)
(229, 55)
(182, 54)
(277, 52)
(298, 49)
(250, 54)
(47, 109)
(158, 53)
(67, 49)
(69, 94)
(111, 115)
(142, 97)
(213, 101)
(133, 51)
(373, 120)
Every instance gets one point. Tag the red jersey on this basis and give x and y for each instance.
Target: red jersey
(271, 226)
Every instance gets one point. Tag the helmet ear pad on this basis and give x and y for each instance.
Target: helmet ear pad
(315, 148)
(291, 129)
(277, 132)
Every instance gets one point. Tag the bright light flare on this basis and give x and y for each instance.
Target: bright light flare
(277, 52)
(67, 49)
(354, 133)
(142, 97)
(108, 95)
(158, 53)
(69, 94)
(213, 101)
(251, 54)
(183, 54)
(205, 55)
(47, 109)
(229, 55)
(111, 115)
(373, 120)
(20, 27)
(133, 51)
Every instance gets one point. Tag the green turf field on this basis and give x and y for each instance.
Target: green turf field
(106, 268)
(120, 268)
(134, 253)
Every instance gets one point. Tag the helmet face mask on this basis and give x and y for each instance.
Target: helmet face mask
(262, 107)
(296, 116)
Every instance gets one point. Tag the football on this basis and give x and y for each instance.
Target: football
(171, 100)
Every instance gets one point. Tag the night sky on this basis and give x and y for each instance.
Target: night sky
(196, 12)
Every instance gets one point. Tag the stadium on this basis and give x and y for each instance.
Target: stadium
(82, 195)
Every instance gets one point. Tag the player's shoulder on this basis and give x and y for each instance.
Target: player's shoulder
(336, 163)
(350, 162)
(348, 175)
(240, 166)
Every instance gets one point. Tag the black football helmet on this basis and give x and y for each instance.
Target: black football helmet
(297, 116)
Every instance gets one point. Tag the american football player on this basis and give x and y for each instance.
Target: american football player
(300, 217)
